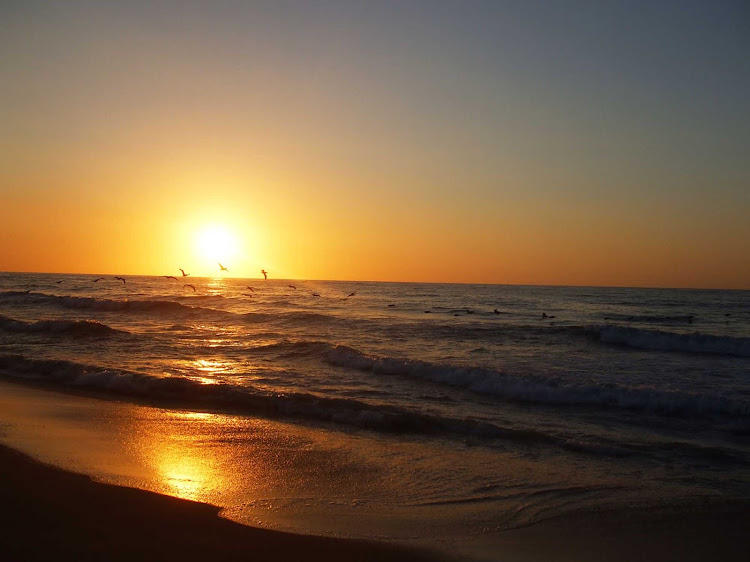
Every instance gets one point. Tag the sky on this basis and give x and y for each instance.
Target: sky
(521, 142)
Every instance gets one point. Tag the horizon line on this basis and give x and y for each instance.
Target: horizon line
(400, 282)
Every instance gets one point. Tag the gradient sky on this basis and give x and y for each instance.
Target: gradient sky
(581, 142)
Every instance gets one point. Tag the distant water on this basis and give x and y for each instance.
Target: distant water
(526, 401)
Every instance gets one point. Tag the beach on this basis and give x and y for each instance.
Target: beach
(51, 514)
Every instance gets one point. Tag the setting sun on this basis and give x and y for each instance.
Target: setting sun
(216, 244)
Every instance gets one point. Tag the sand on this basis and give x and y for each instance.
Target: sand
(50, 514)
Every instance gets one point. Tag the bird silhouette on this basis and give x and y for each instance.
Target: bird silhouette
(249, 287)
(315, 294)
(121, 279)
(183, 272)
(496, 311)
(189, 285)
(292, 287)
(98, 279)
(265, 273)
(170, 277)
(58, 282)
(222, 267)
(350, 295)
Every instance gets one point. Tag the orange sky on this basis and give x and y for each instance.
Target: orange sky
(378, 146)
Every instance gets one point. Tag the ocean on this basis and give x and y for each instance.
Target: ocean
(442, 413)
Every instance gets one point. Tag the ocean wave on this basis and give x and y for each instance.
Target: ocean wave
(660, 340)
(248, 400)
(62, 327)
(551, 391)
(107, 305)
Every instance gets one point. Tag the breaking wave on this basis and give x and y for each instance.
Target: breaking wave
(550, 391)
(248, 400)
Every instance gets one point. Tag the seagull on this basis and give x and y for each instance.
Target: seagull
(496, 311)
(293, 287)
(183, 272)
(121, 279)
(170, 277)
(315, 294)
(350, 295)
(98, 279)
(222, 267)
(265, 273)
(249, 287)
(189, 285)
(58, 282)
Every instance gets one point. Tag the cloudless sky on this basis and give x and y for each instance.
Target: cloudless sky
(581, 142)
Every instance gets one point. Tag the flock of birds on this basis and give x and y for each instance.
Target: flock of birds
(221, 268)
(545, 316)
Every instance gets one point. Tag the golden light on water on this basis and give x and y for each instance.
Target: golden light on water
(185, 470)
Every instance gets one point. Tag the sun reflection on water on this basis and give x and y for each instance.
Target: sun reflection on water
(186, 468)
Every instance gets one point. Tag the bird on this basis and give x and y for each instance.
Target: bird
(350, 295)
(222, 267)
(183, 272)
(315, 294)
(496, 311)
(293, 287)
(189, 285)
(249, 287)
(58, 282)
(170, 277)
(265, 273)
(121, 279)
(391, 305)
(98, 279)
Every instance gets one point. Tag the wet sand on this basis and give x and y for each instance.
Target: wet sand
(50, 514)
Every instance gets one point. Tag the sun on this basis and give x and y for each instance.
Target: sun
(216, 244)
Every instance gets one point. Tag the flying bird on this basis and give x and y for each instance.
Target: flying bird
(350, 295)
(189, 285)
(183, 272)
(249, 287)
(58, 282)
(315, 294)
(496, 311)
(222, 267)
(265, 273)
(170, 277)
(121, 279)
(292, 287)
(98, 279)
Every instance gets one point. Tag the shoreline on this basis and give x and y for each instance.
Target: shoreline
(58, 513)
(48, 513)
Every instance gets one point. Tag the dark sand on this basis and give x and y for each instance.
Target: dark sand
(50, 514)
